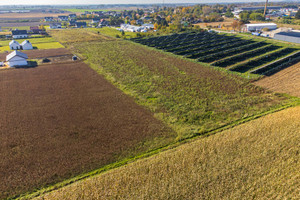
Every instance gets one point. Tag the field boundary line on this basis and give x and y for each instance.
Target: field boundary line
(50, 188)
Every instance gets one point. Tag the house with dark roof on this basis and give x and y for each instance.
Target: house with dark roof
(48, 19)
(55, 25)
(72, 16)
(19, 34)
(80, 24)
(292, 36)
(63, 18)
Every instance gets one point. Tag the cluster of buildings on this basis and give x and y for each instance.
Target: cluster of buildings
(25, 45)
(131, 28)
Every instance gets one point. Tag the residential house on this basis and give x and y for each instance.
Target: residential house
(16, 58)
(95, 20)
(72, 22)
(55, 25)
(48, 19)
(63, 18)
(19, 34)
(102, 23)
(14, 45)
(26, 45)
(80, 24)
(35, 29)
(72, 16)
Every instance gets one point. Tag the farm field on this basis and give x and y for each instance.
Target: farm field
(32, 15)
(255, 160)
(59, 121)
(285, 81)
(191, 98)
(39, 43)
(224, 51)
(112, 32)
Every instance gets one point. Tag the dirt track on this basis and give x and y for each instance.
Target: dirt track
(285, 81)
(61, 120)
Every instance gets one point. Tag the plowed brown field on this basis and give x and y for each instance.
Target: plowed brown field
(58, 121)
(285, 81)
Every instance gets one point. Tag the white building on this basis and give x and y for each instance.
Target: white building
(26, 45)
(19, 34)
(16, 58)
(259, 27)
(14, 45)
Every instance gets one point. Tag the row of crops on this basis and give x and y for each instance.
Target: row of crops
(230, 52)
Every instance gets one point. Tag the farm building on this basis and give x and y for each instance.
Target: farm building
(292, 36)
(16, 58)
(19, 34)
(80, 24)
(14, 45)
(26, 45)
(259, 27)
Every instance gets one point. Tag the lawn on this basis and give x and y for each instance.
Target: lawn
(256, 160)
(39, 43)
(111, 32)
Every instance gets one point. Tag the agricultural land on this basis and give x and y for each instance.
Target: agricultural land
(256, 160)
(285, 81)
(62, 120)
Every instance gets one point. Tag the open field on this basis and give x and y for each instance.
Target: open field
(32, 15)
(256, 160)
(222, 50)
(58, 121)
(39, 43)
(285, 81)
(5, 25)
(111, 32)
(33, 54)
(191, 98)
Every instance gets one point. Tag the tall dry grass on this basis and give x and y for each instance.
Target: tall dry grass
(256, 160)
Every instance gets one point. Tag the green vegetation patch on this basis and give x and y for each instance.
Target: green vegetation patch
(191, 98)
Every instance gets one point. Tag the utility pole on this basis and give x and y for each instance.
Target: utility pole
(266, 6)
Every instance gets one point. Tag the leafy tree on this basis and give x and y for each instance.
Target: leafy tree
(256, 16)
(297, 16)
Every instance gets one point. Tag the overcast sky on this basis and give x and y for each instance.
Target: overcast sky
(48, 2)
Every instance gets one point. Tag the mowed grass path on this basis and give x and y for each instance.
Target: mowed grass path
(191, 98)
(255, 160)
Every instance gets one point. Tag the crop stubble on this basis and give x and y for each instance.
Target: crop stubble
(61, 120)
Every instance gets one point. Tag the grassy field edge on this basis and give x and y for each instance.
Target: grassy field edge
(41, 191)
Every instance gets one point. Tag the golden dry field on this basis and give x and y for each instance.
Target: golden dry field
(255, 160)
(285, 81)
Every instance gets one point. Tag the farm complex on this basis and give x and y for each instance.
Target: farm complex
(142, 102)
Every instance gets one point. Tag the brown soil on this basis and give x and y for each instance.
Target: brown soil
(35, 53)
(13, 16)
(285, 81)
(58, 121)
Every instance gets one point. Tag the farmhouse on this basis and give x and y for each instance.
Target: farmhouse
(292, 36)
(35, 29)
(26, 45)
(259, 27)
(80, 24)
(19, 34)
(14, 45)
(16, 58)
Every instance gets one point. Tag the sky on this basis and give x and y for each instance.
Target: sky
(72, 2)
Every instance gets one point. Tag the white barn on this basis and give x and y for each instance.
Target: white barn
(14, 45)
(16, 58)
(26, 45)
(259, 27)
